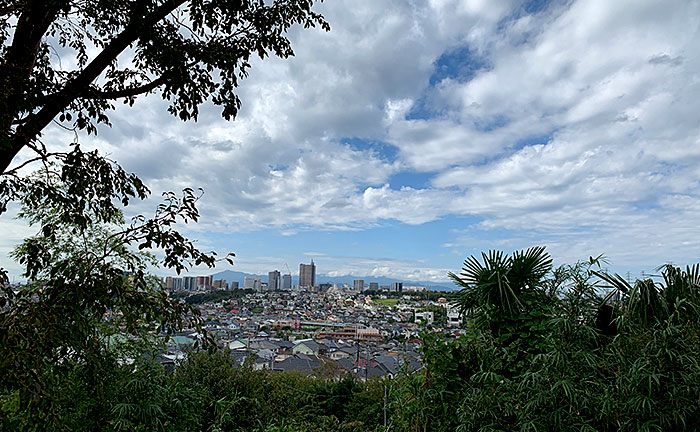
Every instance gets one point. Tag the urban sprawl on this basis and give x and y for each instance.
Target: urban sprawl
(368, 330)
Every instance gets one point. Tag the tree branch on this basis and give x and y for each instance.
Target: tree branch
(77, 86)
(32, 24)
(126, 92)
(9, 10)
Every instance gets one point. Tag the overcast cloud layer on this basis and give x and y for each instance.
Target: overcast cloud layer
(569, 124)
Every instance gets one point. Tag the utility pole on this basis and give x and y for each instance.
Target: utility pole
(366, 366)
(384, 405)
(357, 353)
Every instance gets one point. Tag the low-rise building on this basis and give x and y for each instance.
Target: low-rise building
(427, 317)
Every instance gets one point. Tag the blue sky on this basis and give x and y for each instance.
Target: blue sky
(415, 134)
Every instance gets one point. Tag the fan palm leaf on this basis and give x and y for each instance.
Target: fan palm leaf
(498, 281)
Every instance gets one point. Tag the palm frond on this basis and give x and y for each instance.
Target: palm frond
(498, 280)
(646, 304)
(529, 267)
(614, 281)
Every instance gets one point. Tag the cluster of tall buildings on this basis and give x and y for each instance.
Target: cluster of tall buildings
(283, 282)
(276, 281)
(359, 285)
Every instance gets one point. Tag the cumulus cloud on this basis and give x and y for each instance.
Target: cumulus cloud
(573, 124)
(618, 108)
(362, 266)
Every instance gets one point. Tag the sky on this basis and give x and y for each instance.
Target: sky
(417, 133)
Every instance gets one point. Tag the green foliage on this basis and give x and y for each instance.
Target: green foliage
(501, 286)
(246, 399)
(414, 295)
(148, 399)
(553, 368)
(648, 302)
(216, 296)
(386, 302)
(86, 284)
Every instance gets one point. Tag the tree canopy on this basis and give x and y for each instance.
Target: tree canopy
(70, 61)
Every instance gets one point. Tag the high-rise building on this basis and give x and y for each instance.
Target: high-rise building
(233, 285)
(358, 285)
(220, 284)
(286, 282)
(178, 284)
(169, 283)
(253, 283)
(397, 287)
(307, 275)
(274, 282)
(374, 286)
(190, 283)
(204, 282)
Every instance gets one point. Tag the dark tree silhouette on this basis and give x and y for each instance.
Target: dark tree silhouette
(191, 50)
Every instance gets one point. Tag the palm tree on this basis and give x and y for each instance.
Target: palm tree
(500, 284)
(647, 302)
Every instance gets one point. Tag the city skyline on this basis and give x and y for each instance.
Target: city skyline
(306, 282)
(277, 281)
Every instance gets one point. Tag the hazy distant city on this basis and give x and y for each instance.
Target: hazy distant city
(306, 281)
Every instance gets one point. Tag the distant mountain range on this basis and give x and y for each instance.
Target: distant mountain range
(234, 276)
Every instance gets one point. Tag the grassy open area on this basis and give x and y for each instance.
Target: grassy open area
(386, 302)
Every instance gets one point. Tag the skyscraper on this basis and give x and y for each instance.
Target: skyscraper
(190, 283)
(252, 283)
(273, 281)
(178, 284)
(358, 285)
(307, 275)
(286, 282)
(220, 284)
(204, 282)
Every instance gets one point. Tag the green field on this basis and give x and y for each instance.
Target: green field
(386, 302)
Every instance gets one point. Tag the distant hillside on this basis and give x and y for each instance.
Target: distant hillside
(234, 276)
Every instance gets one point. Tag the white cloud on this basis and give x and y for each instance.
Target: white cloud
(580, 130)
(361, 266)
(13, 232)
